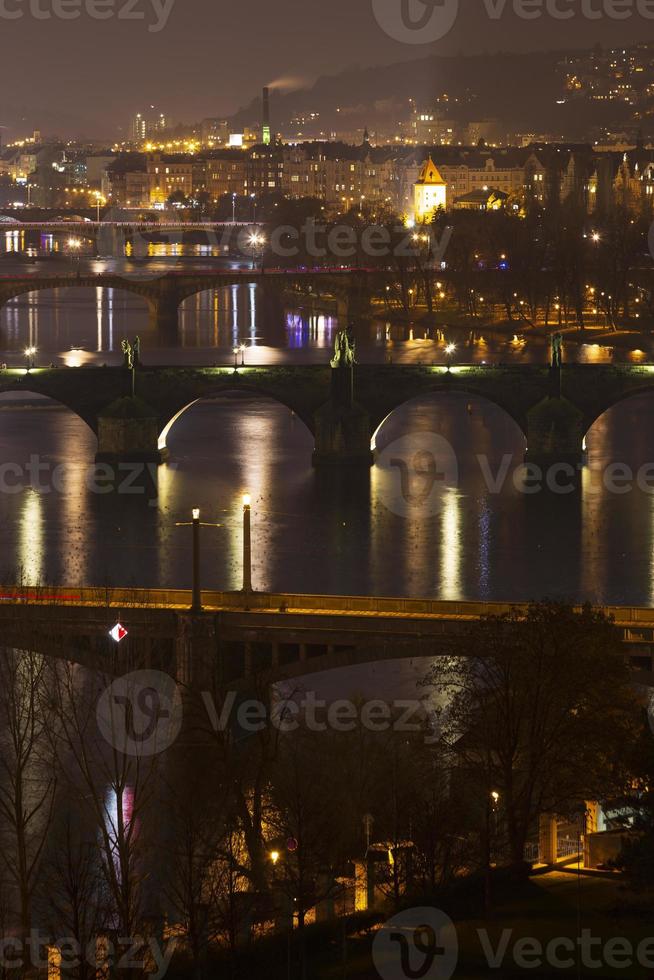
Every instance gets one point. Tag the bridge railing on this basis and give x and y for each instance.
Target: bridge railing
(631, 618)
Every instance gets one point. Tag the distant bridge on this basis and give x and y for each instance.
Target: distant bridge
(238, 636)
(350, 288)
(135, 225)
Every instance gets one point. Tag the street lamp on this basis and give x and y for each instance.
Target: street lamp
(255, 241)
(274, 856)
(196, 601)
(29, 356)
(247, 545)
(242, 350)
(253, 198)
(449, 350)
(234, 208)
(99, 199)
(235, 351)
(74, 245)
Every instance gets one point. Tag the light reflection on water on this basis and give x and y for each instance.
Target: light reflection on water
(332, 532)
(83, 324)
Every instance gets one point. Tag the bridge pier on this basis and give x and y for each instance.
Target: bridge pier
(554, 433)
(342, 426)
(164, 298)
(342, 437)
(358, 299)
(196, 651)
(272, 297)
(164, 318)
(128, 432)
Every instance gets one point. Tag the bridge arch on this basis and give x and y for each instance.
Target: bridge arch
(447, 389)
(590, 421)
(16, 290)
(33, 388)
(232, 388)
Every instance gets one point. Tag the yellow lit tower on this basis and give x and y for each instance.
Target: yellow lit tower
(429, 192)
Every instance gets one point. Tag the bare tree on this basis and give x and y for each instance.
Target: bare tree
(117, 789)
(540, 713)
(28, 775)
(71, 889)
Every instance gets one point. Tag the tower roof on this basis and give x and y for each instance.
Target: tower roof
(429, 174)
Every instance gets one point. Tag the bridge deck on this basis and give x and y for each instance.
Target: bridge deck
(631, 617)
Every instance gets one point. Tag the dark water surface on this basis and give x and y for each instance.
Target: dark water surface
(335, 532)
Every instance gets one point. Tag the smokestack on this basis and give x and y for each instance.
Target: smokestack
(265, 128)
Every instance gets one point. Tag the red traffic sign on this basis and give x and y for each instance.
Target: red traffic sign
(291, 844)
(118, 633)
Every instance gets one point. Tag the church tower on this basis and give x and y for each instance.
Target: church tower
(429, 192)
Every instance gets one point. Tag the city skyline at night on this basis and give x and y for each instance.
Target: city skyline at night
(326, 489)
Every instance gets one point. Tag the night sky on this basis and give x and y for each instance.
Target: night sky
(87, 76)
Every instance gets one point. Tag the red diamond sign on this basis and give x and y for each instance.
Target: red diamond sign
(118, 633)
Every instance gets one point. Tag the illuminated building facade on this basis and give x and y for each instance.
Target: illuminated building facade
(430, 192)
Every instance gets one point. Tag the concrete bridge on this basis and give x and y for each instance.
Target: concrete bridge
(350, 289)
(343, 408)
(237, 636)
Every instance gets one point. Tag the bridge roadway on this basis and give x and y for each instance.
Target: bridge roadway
(276, 635)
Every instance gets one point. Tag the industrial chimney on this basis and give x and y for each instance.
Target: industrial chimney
(265, 128)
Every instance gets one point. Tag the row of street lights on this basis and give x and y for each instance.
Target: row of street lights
(196, 524)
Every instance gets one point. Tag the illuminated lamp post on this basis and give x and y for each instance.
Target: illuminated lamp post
(247, 545)
(255, 241)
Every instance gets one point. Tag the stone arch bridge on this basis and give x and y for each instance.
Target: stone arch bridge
(342, 407)
(349, 290)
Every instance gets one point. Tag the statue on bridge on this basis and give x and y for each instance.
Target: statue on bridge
(557, 349)
(128, 353)
(344, 350)
(132, 352)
